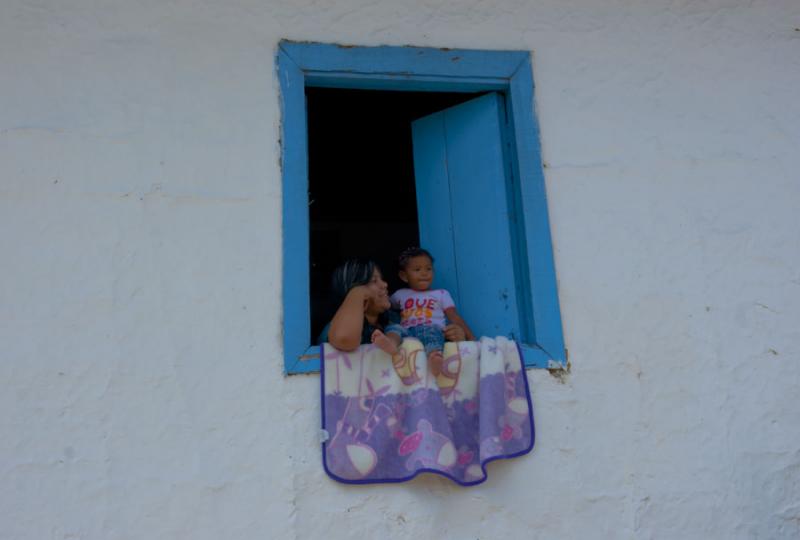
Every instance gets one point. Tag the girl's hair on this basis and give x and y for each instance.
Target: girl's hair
(408, 254)
(351, 274)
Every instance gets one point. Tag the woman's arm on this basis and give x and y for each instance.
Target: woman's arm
(348, 322)
(453, 315)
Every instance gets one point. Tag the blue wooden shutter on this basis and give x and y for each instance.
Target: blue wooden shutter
(461, 183)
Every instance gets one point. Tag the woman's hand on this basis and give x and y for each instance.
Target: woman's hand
(453, 332)
(375, 295)
(367, 293)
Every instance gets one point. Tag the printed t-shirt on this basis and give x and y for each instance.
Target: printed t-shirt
(422, 307)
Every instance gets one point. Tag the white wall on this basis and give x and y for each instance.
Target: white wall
(141, 393)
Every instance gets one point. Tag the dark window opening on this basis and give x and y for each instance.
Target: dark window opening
(362, 197)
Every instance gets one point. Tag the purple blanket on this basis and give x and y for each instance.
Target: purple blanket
(387, 419)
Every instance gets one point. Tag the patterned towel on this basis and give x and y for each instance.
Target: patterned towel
(388, 419)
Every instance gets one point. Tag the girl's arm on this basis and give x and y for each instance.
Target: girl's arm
(348, 322)
(453, 315)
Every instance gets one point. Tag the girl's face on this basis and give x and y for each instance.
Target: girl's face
(379, 301)
(418, 273)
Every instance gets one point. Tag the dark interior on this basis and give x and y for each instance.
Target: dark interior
(362, 198)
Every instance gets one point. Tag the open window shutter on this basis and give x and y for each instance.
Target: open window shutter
(463, 211)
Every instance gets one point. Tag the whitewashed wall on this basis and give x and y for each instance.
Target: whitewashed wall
(141, 394)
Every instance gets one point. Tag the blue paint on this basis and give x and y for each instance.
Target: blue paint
(536, 357)
(308, 362)
(542, 275)
(433, 200)
(461, 178)
(525, 332)
(423, 83)
(299, 65)
(296, 319)
(412, 62)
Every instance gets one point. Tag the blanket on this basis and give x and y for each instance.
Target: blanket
(388, 418)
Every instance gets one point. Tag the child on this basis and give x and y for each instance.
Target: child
(424, 311)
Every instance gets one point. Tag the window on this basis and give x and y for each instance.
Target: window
(362, 192)
(478, 181)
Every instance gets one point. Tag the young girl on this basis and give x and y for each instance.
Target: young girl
(424, 311)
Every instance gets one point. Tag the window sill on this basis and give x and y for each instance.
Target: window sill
(533, 356)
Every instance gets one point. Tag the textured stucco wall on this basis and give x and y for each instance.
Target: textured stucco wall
(141, 393)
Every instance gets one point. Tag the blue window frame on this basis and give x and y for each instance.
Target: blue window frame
(536, 321)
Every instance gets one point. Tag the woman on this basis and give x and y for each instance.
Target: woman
(363, 298)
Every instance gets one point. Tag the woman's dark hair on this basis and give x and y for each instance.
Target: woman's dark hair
(407, 255)
(351, 274)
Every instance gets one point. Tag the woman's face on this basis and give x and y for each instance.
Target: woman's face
(379, 301)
